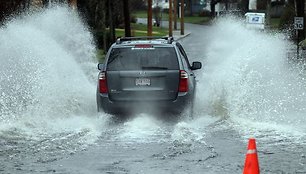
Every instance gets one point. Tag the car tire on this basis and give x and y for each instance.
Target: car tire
(190, 109)
(99, 108)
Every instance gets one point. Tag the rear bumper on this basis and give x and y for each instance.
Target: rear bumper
(176, 106)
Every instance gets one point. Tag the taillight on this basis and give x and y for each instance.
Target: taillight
(102, 82)
(143, 46)
(183, 87)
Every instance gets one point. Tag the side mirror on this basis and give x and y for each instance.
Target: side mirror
(196, 65)
(100, 66)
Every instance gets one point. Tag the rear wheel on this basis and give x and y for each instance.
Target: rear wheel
(99, 109)
(189, 111)
(190, 108)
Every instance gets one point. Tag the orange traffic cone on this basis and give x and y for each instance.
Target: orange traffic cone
(251, 165)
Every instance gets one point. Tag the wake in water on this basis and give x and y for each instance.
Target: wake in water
(248, 79)
(47, 75)
(48, 84)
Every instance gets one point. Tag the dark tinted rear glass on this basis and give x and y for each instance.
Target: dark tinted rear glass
(142, 58)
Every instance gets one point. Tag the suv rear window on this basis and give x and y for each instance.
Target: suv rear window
(142, 58)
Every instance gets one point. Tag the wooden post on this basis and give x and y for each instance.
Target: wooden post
(170, 19)
(175, 14)
(149, 32)
(182, 17)
(127, 24)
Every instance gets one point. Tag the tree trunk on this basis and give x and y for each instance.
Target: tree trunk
(175, 14)
(182, 17)
(170, 18)
(213, 7)
(189, 7)
(268, 13)
(101, 6)
(126, 12)
(110, 20)
(149, 19)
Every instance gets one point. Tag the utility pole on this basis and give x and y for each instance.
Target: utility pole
(175, 14)
(182, 17)
(149, 32)
(126, 12)
(170, 19)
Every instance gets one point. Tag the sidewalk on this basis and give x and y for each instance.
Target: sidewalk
(177, 34)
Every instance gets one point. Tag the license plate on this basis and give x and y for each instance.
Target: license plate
(143, 82)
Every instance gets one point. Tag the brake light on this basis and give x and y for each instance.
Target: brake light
(143, 46)
(183, 86)
(102, 82)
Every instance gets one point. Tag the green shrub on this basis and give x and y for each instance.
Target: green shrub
(100, 54)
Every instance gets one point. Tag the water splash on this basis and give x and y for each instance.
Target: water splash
(248, 79)
(47, 74)
(143, 128)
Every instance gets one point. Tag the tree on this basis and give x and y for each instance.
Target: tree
(7, 8)
(287, 17)
(127, 25)
(268, 12)
(212, 7)
(243, 5)
(111, 21)
(189, 7)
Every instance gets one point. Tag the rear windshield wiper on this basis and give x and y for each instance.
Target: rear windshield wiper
(154, 67)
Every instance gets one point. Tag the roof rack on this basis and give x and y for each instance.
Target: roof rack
(120, 40)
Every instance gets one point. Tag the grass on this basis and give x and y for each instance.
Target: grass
(140, 14)
(274, 23)
(141, 30)
(137, 30)
(187, 19)
(197, 20)
(100, 55)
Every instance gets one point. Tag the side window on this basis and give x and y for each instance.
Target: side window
(182, 51)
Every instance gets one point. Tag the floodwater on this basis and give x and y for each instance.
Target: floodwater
(48, 120)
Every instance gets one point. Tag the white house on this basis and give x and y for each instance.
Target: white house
(164, 4)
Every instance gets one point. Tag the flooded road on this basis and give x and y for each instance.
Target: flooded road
(49, 124)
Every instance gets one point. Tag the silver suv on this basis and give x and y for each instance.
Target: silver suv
(147, 74)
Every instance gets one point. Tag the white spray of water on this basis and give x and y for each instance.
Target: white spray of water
(143, 128)
(247, 79)
(48, 84)
(47, 70)
(191, 131)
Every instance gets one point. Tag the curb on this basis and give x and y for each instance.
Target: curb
(177, 38)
